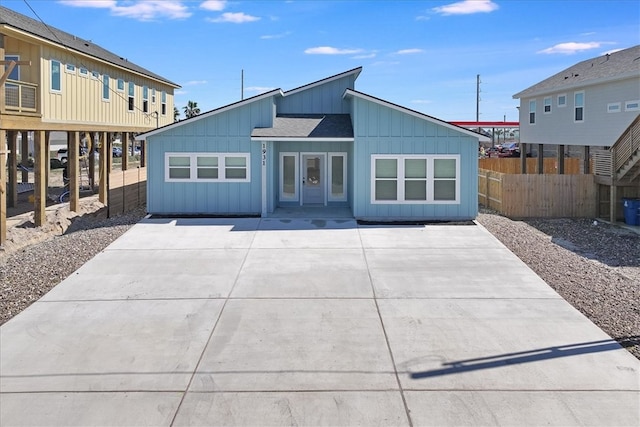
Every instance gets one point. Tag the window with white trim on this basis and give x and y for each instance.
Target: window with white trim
(632, 105)
(83, 72)
(164, 103)
(70, 68)
(614, 107)
(132, 96)
(578, 105)
(153, 96)
(562, 100)
(289, 177)
(56, 78)
(105, 88)
(95, 75)
(532, 112)
(547, 105)
(337, 177)
(120, 85)
(207, 167)
(15, 73)
(145, 99)
(415, 179)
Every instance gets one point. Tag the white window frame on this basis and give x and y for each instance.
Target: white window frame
(51, 88)
(193, 166)
(296, 195)
(120, 85)
(330, 157)
(635, 107)
(95, 75)
(163, 106)
(575, 107)
(145, 99)
(83, 72)
(534, 104)
(546, 103)
(614, 107)
(131, 97)
(16, 69)
(106, 87)
(70, 68)
(564, 97)
(153, 96)
(401, 179)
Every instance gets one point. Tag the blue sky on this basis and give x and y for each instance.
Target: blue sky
(424, 55)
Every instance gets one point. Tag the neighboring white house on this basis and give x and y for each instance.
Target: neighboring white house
(589, 104)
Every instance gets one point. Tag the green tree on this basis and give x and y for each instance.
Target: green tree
(191, 109)
(176, 114)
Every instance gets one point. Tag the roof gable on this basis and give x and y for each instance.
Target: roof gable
(355, 72)
(609, 67)
(354, 93)
(17, 21)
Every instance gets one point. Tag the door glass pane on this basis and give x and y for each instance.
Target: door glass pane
(386, 168)
(444, 168)
(337, 176)
(415, 168)
(288, 177)
(386, 190)
(415, 190)
(444, 190)
(313, 171)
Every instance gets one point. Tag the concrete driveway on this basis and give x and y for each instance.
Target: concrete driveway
(309, 322)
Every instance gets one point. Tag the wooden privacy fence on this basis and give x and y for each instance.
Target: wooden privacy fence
(538, 196)
(127, 190)
(572, 166)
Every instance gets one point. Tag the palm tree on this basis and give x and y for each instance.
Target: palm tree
(191, 110)
(176, 114)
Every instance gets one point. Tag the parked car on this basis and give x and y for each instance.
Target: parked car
(116, 151)
(508, 150)
(62, 155)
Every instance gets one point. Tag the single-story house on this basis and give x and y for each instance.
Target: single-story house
(324, 144)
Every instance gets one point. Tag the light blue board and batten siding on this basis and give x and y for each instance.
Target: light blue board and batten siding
(326, 98)
(382, 130)
(599, 128)
(226, 132)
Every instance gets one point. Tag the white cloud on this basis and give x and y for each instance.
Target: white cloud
(180, 92)
(409, 51)
(143, 10)
(234, 18)
(365, 56)
(196, 82)
(215, 5)
(275, 36)
(327, 50)
(571, 47)
(422, 18)
(466, 7)
(259, 89)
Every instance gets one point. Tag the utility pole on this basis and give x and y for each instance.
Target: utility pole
(478, 99)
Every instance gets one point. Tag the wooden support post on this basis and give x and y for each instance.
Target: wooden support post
(124, 139)
(523, 158)
(24, 155)
(540, 159)
(47, 162)
(104, 167)
(586, 161)
(73, 170)
(613, 204)
(91, 156)
(40, 169)
(3, 186)
(12, 166)
(143, 153)
(106, 139)
(560, 159)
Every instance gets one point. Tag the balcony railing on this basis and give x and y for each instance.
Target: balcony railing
(21, 96)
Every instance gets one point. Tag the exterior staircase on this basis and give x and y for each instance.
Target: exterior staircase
(620, 165)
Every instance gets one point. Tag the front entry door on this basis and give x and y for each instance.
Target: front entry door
(313, 179)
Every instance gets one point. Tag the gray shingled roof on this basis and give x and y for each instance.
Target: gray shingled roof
(624, 63)
(308, 126)
(21, 22)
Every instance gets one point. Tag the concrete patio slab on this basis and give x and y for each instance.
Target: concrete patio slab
(89, 409)
(303, 344)
(505, 344)
(275, 321)
(308, 273)
(427, 273)
(150, 345)
(362, 408)
(153, 274)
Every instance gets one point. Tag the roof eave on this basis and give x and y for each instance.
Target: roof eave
(584, 83)
(299, 139)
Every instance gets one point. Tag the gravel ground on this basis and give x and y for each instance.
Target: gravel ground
(596, 268)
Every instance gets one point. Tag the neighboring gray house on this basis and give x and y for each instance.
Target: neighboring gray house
(595, 103)
(322, 145)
